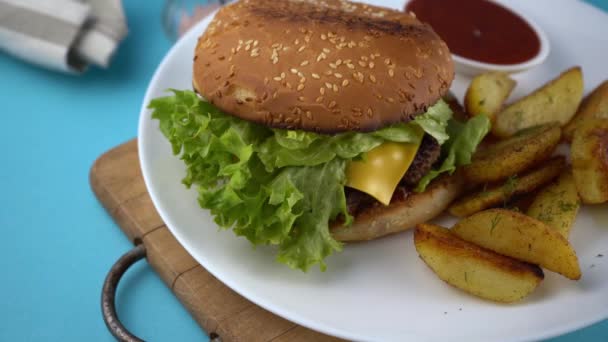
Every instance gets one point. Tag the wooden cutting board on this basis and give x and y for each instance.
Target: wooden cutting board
(117, 181)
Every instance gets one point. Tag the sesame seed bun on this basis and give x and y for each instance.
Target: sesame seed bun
(326, 66)
(378, 221)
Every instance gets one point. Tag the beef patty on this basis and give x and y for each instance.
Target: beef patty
(428, 153)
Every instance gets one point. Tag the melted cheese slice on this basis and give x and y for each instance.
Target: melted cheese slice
(384, 166)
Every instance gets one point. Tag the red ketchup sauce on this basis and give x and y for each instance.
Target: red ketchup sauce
(479, 29)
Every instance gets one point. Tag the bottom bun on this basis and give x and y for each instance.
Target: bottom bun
(379, 221)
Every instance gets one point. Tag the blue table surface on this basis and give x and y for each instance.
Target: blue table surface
(58, 242)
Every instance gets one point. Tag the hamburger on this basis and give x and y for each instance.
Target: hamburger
(317, 122)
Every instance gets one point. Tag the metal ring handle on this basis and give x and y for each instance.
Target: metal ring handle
(108, 294)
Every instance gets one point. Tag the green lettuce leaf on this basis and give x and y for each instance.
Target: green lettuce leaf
(458, 150)
(272, 186)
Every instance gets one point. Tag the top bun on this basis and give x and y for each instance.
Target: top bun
(326, 66)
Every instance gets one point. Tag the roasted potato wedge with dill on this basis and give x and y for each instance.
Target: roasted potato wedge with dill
(589, 153)
(514, 155)
(487, 93)
(475, 270)
(557, 204)
(594, 105)
(521, 237)
(499, 195)
(556, 101)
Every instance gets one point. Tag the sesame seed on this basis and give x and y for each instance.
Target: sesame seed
(304, 63)
(323, 36)
(350, 65)
(332, 65)
(301, 48)
(338, 62)
(308, 115)
(233, 51)
(322, 91)
(371, 65)
(294, 71)
(288, 85)
(391, 100)
(328, 85)
(301, 98)
(278, 78)
(319, 99)
(364, 58)
(372, 78)
(328, 72)
(326, 50)
(300, 87)
(303, 79)
(362, 63)
(370, 112)
(296, 42)
(316, 76)
(247, 47)
(285, 48)
(249, 41)
(307, 38)
(345, 83)
(332, 104)
(358, 76)
(387, 61)
(391, 72)
(282, 75)
(255, 43)
(275, 60)
(338, 75)
(335, 88)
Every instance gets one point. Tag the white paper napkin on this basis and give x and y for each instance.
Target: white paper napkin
(66, 35)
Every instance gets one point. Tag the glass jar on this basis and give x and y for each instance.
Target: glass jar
(180, 15)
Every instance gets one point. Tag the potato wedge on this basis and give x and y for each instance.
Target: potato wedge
(514, 155)
(594, 105)
(487, 93)
(557, 204)
(556, 101)
(589, 153)
(473, 269)
(493, 196)
(521, 237)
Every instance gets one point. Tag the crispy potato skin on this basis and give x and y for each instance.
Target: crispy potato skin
(589, 152)
(521, 237)
(514, 155)
(556, 101)
(487, 93)
(473, 269)
(594, 105)
(500, 194)
(557, 204)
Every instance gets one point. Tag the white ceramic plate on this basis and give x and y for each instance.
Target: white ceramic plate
(381, 290)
